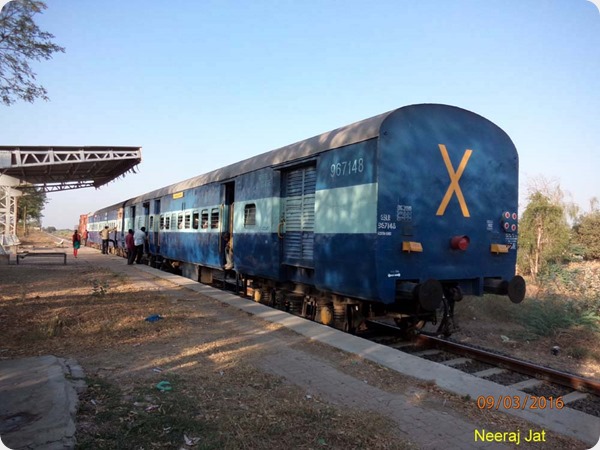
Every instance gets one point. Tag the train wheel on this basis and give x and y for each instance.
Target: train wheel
(353, 319)
(348, 328)
(409, 326)
(326, 315)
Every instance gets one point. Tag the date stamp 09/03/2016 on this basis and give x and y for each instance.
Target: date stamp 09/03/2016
(519, 402)
(515, 402)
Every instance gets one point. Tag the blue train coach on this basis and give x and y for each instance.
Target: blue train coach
(397, 215)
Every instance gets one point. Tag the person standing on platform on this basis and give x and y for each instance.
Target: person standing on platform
(105, 235)
(76, 242)
(130, 245)
(139, 238)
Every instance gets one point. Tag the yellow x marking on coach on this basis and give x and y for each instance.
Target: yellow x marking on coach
(454, 177)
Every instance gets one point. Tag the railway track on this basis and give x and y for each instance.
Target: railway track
(506, 362)
(545, 385)
(542, 383)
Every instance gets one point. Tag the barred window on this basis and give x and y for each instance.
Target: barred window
(214, 218)
(188, 220)
(205, 218)
(180, 221)
(162, 222)
(195, 220)
(250, 214)
(167, 222)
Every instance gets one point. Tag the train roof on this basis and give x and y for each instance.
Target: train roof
(340, 137)
(107, 208)
(350, 134)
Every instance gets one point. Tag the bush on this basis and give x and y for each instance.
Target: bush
(545, 317)
(587, 235)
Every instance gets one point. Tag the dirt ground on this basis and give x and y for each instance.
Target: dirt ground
(203, 356)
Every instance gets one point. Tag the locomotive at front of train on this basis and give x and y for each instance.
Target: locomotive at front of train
(447, 204)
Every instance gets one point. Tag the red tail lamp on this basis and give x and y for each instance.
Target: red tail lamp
(460, 243)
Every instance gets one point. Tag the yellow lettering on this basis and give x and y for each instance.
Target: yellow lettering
(454, 177)
(536, 436)
(506, 436)
(514, 437)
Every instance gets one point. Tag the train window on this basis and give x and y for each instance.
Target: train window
(180, 221)
(167, 222)
(205, 218)
(174, 221)
(250, 214)
(162, 222)
(214, 218)
(188, 220)
(195, 220)
(151, 222)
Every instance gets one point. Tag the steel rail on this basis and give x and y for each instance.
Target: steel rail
(517, 365)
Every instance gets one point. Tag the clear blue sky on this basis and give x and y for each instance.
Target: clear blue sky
(202, 84)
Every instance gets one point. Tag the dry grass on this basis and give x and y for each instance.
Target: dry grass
(207, 351)
(219, 399)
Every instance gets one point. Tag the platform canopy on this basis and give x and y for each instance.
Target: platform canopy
(50, 169)
(53, 169)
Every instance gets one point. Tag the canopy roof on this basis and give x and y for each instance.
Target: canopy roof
(67, 167)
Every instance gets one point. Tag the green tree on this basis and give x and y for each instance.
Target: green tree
(21, 41)
(587, 234)
(30, 206)
(543, 234)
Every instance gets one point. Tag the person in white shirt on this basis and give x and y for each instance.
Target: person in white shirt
(139, 238)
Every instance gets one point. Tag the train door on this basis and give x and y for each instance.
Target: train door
(130, 222)
(153, 230)
(226, 249)
(145, 222)
(299, 216)
(119, 242)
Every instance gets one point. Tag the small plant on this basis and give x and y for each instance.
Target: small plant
(99, 288)
(55, 327)
(578, 353)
